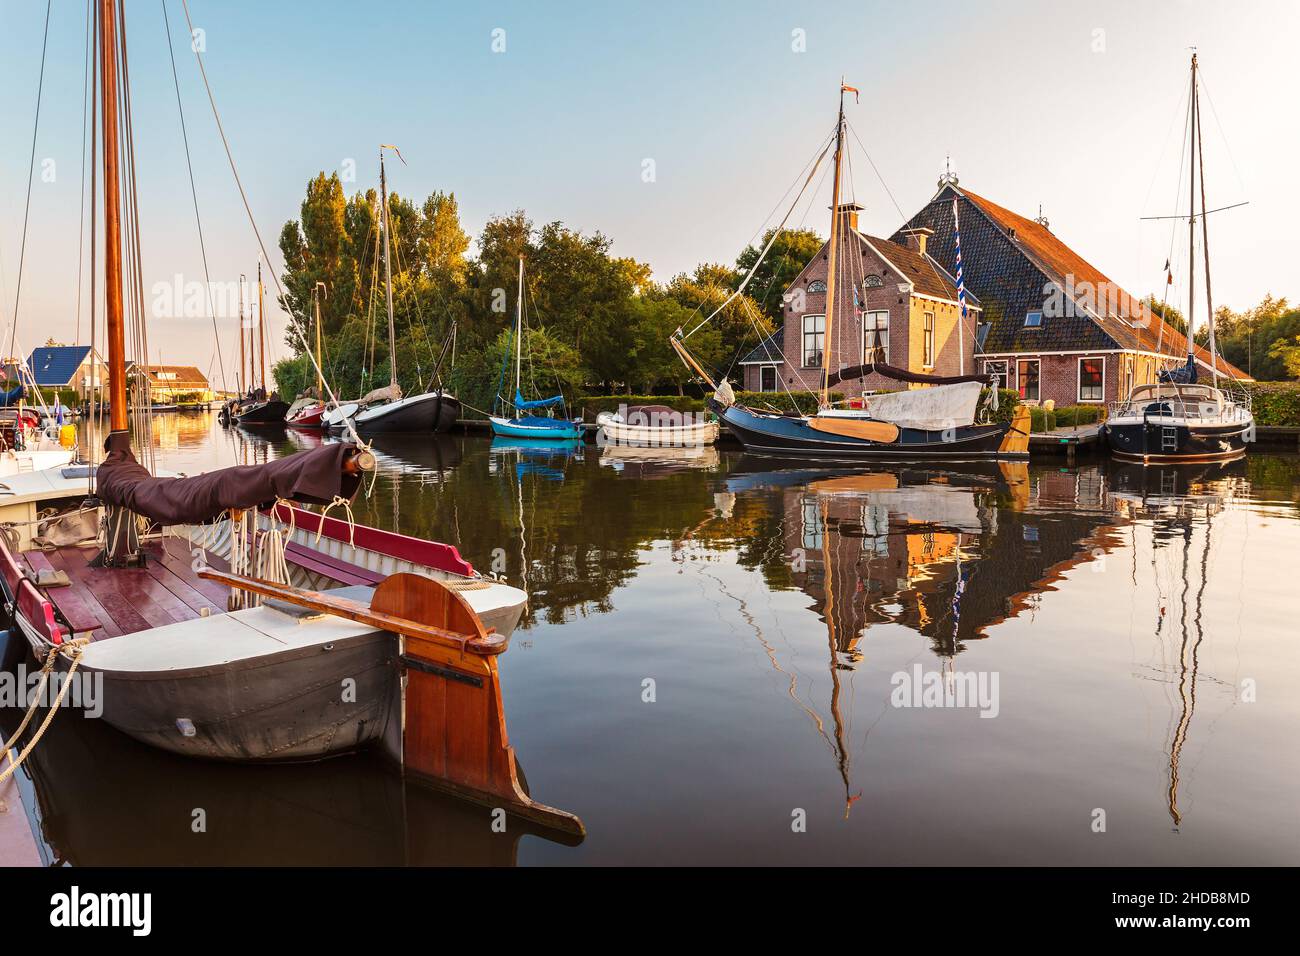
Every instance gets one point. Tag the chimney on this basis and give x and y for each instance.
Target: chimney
(917, 237)
(849, 211)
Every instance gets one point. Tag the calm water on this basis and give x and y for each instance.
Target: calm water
(1133, 633)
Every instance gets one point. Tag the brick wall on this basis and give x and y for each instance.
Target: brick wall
(857, 264)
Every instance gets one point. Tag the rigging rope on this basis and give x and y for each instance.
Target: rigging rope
(31, 172)
(194, 194)
(248, 209)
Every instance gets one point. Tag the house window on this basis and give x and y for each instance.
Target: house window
(817, 285)
(812, 523)
(873, 282)
(767, 378)
(1090, 379)
(875, 337)
(1027, 379)
(928, 351)
(998, 369)
(814, 334)
(1033, 320)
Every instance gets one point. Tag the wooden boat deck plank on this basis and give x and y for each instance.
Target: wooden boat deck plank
(114, 602)
(108, 627)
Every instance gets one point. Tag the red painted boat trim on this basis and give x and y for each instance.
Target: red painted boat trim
(35, 607)
(309, 417)
(429, 554)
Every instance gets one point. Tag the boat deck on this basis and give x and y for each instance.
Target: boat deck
(104, 603)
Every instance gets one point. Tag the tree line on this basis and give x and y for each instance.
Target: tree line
(596, 322)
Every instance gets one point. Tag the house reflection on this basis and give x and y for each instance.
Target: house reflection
(945, 553)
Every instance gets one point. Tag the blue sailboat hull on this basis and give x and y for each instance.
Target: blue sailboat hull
(763, 433)
(549, 429)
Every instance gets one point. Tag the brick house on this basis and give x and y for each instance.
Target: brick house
(1054, 326)
(896, 304)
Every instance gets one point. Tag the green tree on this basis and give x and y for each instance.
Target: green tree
(792, 250)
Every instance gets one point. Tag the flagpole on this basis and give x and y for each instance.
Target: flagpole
(961, 293)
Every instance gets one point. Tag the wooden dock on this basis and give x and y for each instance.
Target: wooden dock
(1066, 441)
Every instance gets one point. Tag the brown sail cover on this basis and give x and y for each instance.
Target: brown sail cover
(901, 375)
(309, 477)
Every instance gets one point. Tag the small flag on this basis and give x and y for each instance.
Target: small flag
(961, 284)
(850, 89)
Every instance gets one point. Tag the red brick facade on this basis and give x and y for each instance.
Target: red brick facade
(878, 279)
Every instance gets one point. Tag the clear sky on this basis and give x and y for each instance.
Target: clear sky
(1075, 106)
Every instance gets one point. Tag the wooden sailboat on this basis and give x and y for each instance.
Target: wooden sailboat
(387, 411)
(263, 408)
(937, 421)
(522, 424)
(1177, 419)
(308, 410)
(277, 633)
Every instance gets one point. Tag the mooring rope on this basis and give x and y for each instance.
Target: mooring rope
(76, 647)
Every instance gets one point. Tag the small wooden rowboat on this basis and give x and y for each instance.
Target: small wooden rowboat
(656, 426)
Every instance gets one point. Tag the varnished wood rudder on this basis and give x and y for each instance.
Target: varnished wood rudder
(454, 731)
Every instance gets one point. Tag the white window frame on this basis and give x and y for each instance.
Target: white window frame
(1078, 381)
(775, 378)
(1039, 397)
(927, 340)
(817, 282)
(1004, 376)
(873, 318)
(803, 338)
(1035, 325)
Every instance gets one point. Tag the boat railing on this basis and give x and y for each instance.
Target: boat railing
(1227, 405)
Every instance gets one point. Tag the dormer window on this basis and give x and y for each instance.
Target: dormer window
(1033, 320)
(817, 285)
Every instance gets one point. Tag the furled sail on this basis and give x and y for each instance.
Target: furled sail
(11, 396)
(901, 375)
(317, 476)
(1182, 375)
(520, 402)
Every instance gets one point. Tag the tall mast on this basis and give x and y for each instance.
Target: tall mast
(519, 327)
(115, 325)
(1191, 207)
(242, 383)
(261, 328)
(1205, 229)
(320, 382)
(388, 272)
(832, 287)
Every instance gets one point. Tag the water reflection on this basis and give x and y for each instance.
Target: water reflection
(771, 604)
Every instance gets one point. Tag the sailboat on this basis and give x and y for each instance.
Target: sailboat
(277, 633)
(1178, 419)
(309, 409)
(262, 407)
(386, 411)
(522, 424)
(938, 421)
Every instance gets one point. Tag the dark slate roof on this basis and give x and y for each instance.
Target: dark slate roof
(54, 365)
(1009, 258)
(767, 352)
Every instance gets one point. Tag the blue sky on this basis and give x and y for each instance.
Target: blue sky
(1033, 103)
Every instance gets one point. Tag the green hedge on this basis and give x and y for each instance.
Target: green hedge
(1008, 399)
(1275, 403)
(1067, 416)
(593, 405)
